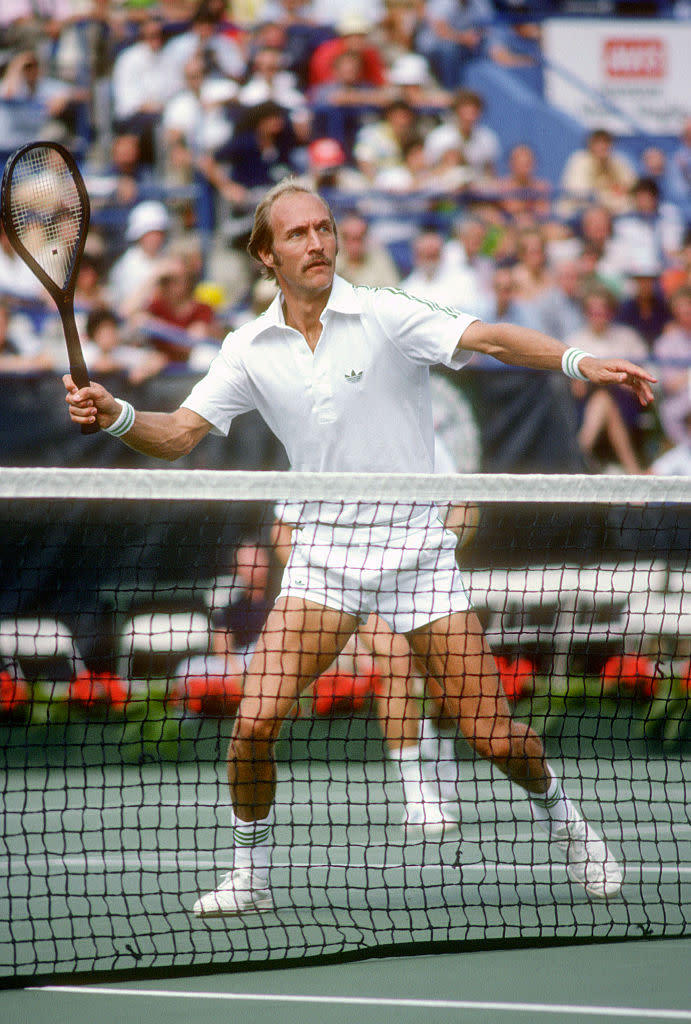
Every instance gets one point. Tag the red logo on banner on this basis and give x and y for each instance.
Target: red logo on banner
(635, 58)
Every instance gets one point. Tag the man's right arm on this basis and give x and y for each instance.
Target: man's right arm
(159, 434)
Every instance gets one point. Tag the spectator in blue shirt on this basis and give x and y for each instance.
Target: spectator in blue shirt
(452, 33)
(264, 148)
(646, 310)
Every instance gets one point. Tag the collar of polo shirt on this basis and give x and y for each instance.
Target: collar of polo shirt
(343, 299)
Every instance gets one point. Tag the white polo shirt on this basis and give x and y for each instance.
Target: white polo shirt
(361, 401)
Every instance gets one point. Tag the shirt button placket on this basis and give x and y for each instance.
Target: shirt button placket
(323, 392)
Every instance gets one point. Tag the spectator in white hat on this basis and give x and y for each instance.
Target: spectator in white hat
(646, 309)
(412, 80)
(132, 276)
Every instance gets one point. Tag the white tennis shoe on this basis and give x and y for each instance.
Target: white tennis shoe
(448, 792)
(427, 818)
(588, 861)
(236, 894)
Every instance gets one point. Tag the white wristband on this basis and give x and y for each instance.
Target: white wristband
(124, 422)
(570, 361)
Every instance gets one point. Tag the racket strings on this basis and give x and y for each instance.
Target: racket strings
(47, 212)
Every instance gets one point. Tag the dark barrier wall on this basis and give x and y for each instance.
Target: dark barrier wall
(526, 421)
(35, 429)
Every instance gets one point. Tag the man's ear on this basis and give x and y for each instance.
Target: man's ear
(267, 258)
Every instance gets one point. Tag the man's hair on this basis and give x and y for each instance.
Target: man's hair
(597, 290)
(98, 317)
(398, 104)
(262, 236)
(468, 96)
(600, 135)
(646, 185)
(682, 292)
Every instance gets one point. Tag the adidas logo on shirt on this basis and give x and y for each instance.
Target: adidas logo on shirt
(354, 376)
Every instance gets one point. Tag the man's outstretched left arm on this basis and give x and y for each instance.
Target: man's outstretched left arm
(522, 346)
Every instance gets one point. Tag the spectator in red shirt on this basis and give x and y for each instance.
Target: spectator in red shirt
(175, 305)
(352, 36)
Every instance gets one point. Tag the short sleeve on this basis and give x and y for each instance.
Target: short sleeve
(223, 393)
(422, 330)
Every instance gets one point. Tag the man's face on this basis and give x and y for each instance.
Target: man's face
(304, 243)
(353, 235)
(152, 33)
(681, 307)
(601, 148)
(645, 201)
(596, 224)
(598, 313)
(522, 162)
(428, 250)
(503, 288)
(569, 278)
(468, 114)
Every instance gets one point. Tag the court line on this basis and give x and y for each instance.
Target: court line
(153, 861)
(399, 1003)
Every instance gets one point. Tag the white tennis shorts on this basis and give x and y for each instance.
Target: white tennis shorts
(406, 574)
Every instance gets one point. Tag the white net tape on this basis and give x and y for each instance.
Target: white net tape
(212, 485)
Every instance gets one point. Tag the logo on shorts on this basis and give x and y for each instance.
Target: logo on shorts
(354, 376)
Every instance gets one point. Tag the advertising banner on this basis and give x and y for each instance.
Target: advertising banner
(625, 75)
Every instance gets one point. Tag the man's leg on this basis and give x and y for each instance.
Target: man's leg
(398, 709)
(463, 676)
(299, 641)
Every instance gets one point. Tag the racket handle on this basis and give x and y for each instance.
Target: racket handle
(78, 370)
(80, 376)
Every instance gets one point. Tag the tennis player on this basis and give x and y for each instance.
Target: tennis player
(341, 375)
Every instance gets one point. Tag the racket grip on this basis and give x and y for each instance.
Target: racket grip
(78, 370)
(80, 377)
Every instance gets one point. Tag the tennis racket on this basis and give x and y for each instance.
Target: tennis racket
(45, 213)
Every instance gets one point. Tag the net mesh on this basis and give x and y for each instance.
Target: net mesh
(126, 627)
(46, 211)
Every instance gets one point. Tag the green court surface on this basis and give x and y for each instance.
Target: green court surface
(636, 982)
(100, 866)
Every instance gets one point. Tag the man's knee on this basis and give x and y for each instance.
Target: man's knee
(507, 741)
(255, 729)
(492, 747)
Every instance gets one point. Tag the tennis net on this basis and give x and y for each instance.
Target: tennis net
(130, 602)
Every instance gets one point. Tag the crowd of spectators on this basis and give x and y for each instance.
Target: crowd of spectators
(182, 112)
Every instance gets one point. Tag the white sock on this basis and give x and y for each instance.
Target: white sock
(410, 763)
(551, 808)
(440, 749)
(253, 846)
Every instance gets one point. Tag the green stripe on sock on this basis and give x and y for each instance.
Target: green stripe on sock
(255, 838)
(547, 801)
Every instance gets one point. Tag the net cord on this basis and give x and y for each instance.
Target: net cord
(214, 485)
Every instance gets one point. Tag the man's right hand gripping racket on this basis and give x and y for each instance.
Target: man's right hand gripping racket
(45, 214)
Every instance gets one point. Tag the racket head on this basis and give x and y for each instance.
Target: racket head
(45, 213)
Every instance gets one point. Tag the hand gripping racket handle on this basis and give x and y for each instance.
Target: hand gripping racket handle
(78, 370)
